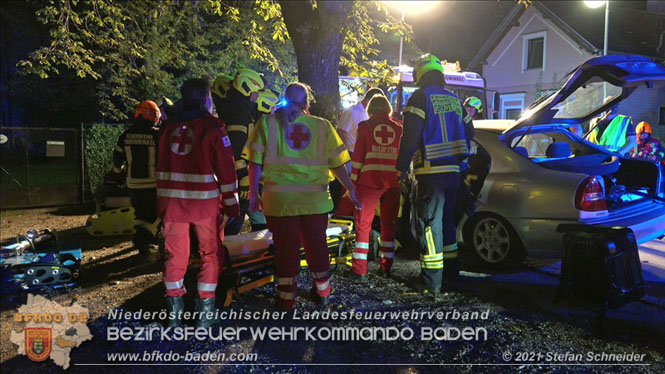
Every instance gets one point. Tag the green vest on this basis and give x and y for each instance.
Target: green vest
(614, 136)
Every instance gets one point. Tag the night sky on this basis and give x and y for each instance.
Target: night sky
(456, 30)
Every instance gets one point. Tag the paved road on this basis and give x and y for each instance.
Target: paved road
(534, 289)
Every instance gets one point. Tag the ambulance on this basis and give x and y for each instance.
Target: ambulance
(461, 83)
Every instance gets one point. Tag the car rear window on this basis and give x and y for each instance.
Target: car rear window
(536, 144)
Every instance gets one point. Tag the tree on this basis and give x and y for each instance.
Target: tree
(326, 34)
(317, 36)
(133, 51)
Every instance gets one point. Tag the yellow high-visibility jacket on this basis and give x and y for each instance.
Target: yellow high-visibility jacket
(296, 160)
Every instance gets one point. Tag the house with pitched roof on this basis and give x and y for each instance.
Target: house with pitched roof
(534, 50)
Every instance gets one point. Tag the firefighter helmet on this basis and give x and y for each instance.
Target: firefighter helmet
(267, 100)
(247, 81)
(475, 103)
(149, 111)
(222, 85)
(643, 127)
(426, 64)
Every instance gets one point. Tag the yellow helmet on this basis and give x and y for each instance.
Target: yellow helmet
(267, 100)
(222, 85)
(474, 102)
(425, 64)
(247, 81)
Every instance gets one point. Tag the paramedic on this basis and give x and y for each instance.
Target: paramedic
(291, 153)
(195, 162)
(375, 178)
(347, 128)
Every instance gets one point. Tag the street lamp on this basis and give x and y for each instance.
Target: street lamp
(598, 4)
(414, 7)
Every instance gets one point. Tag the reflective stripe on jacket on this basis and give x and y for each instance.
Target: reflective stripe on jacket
(445, 142)
(138, 147)
(195, 166)
(296, 158)
(614, 136)
(377, 146)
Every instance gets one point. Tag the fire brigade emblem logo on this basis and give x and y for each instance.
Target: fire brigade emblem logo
(384, 135)
(182, 140)
(298, 136)
(38, 343)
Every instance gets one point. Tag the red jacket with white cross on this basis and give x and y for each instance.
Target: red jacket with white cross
(375, 155)
(195, 163)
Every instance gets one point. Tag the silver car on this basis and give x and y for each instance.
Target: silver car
(533, 174)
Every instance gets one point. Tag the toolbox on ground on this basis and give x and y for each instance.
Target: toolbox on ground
(600, 265)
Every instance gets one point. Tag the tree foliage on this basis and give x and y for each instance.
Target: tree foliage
(136, 50)
(146, 49)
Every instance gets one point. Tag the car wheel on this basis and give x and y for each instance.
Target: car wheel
(494, 241)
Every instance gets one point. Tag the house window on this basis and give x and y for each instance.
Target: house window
(512, 105)
(513, 113)
(533, 51)
(661, 116)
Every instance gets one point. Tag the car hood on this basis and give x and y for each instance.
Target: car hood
(625, 71)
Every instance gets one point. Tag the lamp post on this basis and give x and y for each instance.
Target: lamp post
(414, 7)
(598, 4)
(401, 37)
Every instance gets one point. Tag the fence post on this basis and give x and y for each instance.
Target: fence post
(83, 196)
(27, 166)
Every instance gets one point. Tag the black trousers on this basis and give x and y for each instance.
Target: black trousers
(144, 201)
(434, 226)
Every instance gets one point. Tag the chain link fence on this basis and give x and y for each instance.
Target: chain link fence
(39, 167)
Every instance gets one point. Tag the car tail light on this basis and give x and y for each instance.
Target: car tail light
(589, 196)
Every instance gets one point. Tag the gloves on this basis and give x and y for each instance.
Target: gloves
(243, 188)
(243, 192)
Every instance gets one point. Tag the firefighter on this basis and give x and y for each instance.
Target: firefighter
(347, 128)
(375, 178)
(614, 132)
(647, 146)
(266, 101)
(436, 140)
(238, 111)
(195, 162)
(291, 153)
(137, 148)
(474, 107)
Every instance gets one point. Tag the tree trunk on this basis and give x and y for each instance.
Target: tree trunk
(317, 39)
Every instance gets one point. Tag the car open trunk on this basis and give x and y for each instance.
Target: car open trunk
(633, 175)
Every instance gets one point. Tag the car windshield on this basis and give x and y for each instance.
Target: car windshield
(586, 99)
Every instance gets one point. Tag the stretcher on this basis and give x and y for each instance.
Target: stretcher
(35, 262)
(250, 258)
(111, 222)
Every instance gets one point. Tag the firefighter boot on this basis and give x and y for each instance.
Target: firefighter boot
(207, 310)
(315, 298)
(176, 306)
(352, 275)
